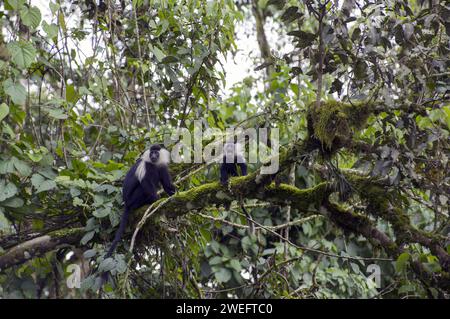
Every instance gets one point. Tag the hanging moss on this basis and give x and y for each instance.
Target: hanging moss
(333, 123)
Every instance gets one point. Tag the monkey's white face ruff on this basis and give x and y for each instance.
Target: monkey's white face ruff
(164, 159)
(140, 170)
(232, 151)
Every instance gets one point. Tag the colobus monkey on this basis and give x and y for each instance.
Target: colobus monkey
(141, 185)
(233, 156)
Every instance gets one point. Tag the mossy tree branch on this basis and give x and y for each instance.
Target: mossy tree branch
(360, 224)
(382, 201)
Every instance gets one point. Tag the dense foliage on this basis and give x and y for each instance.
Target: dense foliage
(361, 101)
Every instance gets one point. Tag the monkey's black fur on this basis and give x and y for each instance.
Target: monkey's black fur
(141, 185)
(230, 167)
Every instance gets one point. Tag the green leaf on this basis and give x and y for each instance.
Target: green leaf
(14, 202)
(102, 212)
(246, 243)
(137, 3)
(223, 275)
(78, 202)
(54, 7)
(16, 91)
(432, 267)
(62, 22)
(71, 94)
(36, 180)
(7, 190)
(235, 264)
(215, 246)
(158, 53)
(406, 288)
(57, 114)
(107, 265)
(215, 260)
(50, 29)
(31, 16)
(400, 264)
(278, 3)
(4, 222)
(446, 110)
(304, 39)
(89, 253)
(21, 167)
(35, 157)
(4, 110)
(121, 266)
(170, 59)
(41, 184)
(87, 237)
(16, 4)
(205, 234)
(6, 166)
(22, 53)
(46, 186)
(291, 14)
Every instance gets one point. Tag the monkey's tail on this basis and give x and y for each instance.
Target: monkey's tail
(119, 232)
(117, 237)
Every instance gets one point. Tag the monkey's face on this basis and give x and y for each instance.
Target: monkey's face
(229, 150)
(154, 156)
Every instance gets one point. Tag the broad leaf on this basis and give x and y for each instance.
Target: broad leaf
(71, 94)
(7, 190)
(41, 184)
(16, 91)
(16, 4)
(14, 202)
(4, 111)
(223, 275)
(50, 29)
(158, 53)
(21, 167)
(22, 53)
(87, 237)
(31, 16)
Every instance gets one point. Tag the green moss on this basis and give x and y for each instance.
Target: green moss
(195, 193)
(66, 232)
(388, 204)
(298, 197)
(334, 120)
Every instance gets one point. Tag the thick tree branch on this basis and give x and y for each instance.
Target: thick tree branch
(39, 246)
(360, 224)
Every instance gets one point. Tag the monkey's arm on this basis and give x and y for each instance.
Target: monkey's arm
(130, 184)
(148, 188)
(166, 181)
(243, 167)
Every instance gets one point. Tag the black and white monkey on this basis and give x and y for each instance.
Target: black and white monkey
(233, 156)
(141, 184)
